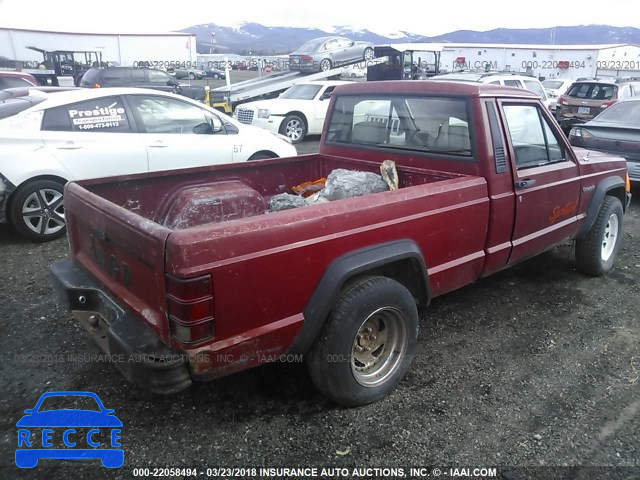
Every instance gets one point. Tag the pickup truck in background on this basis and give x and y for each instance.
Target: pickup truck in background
(187, 274)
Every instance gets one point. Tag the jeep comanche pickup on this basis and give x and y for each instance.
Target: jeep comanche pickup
(183, 276)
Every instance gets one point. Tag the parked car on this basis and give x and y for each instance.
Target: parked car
(324, 53)
(15, 100)
(190, 73)
(9, 79)
(499, 78)
(216, 73)
(615, 131)
(104, 132)
(554, 88)
(586, 98)
(296, 113)
(138, 78)
(189, 267)
(353, 72)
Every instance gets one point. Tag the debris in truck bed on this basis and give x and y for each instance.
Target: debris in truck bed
(307, 189)
(343, 183)
(390, 174)
(285, 201)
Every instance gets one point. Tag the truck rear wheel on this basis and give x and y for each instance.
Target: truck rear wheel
(367, 345)
(596, 253)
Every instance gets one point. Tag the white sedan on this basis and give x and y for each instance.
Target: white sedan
(103, 132)
(296, 113)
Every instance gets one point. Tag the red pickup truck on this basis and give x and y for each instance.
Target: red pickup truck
(185, 276)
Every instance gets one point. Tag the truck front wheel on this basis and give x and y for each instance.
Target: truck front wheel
(367, 344)
(596, 253)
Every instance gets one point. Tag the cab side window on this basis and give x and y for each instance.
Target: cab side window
(534, 141)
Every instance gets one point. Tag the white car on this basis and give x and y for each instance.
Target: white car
(90, 133)
(296, 113)
(507, 79)
(554, 87)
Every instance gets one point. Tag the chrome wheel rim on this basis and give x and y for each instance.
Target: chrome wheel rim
(43, 211)
(379, 347)
(368, 54)
(610, 237)
(294, 130)
(325, 65)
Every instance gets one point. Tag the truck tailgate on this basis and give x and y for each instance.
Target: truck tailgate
(123, 251)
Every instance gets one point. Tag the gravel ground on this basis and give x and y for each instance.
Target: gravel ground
(536, 366)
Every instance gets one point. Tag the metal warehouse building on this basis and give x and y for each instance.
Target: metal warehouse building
(549, 61)
(123, 49)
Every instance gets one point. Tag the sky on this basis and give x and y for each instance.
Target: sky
(419, 17)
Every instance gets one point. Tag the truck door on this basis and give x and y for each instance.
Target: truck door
(546, 180)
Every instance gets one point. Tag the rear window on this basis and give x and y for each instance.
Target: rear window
(622, 112)
(592, 91)
(115, 75)
(424, 124)
(552, 84)
(11, 82)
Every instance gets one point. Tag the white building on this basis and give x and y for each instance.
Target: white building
(548, 61)
(122, 49)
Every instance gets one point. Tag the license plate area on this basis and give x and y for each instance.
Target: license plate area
(584, 110)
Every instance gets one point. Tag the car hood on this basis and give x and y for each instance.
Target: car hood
(69, 418)
(277, 105)
(594, 156)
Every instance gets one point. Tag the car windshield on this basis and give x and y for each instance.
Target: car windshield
(69, 402)
(623, 112)
(552, 84)
(310, 46)
(592, 91)
(301, 92)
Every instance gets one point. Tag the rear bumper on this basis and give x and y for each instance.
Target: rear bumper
(134, 349)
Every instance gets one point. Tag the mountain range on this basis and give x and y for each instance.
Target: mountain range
(261, 40)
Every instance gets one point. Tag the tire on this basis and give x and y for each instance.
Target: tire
(596, 253)
(368, 54)
(192, 76)
(325, 65)
(294, 127)
(367, 344)
(216, 76)
(37, 210)
(263, 156)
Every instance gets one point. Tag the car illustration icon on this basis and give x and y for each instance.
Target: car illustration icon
(49, 431)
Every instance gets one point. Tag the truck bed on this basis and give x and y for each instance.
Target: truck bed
(129, 232)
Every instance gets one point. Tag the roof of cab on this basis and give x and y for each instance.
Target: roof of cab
(440, 87)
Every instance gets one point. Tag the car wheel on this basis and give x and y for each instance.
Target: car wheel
(192, 76)
(325, 65)
(367, 344)
(216, 76)
(353, 75)
(37, 210)
(368, 54)
(294, 127)
(596, 253)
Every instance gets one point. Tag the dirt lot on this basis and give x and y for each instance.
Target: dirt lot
(536, 366)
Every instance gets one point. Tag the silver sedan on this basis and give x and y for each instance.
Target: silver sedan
(324, 53)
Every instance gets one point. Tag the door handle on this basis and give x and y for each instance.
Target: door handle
(525, 183)
(158, 145)
(69, 146)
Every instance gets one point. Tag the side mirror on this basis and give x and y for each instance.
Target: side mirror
(215, 124)
(325, 96)
(29, 411)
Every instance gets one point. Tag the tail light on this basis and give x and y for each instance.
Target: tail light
(95, 85)
(607, 104)
(190, 308)
(562, 101)
(307, 58)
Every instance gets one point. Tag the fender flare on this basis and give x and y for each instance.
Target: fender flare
(605, 186)
(349, 266)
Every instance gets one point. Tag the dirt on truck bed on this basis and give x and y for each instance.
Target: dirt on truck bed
(536, 366)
